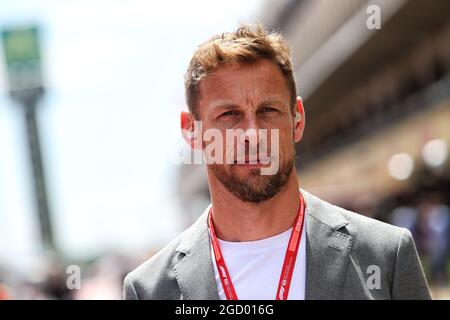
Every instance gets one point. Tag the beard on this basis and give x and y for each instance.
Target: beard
(254, 187)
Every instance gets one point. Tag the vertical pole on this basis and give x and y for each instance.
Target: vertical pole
(40, 191)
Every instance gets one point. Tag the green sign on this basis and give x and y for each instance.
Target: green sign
(22, 57)
(21, 45)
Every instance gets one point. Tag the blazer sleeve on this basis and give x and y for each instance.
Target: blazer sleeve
(129, 291)
(409, 281)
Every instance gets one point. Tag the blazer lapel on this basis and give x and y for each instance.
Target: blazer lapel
(327, 250)
(194, 272)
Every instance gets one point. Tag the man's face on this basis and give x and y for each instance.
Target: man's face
(250, 96)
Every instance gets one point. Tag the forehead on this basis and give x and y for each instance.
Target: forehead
(244, 83)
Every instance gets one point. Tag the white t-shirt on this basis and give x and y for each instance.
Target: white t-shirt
(255, 267)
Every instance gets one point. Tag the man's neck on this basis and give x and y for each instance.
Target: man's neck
(237, 220)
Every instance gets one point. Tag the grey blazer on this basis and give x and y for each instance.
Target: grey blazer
(348, 256)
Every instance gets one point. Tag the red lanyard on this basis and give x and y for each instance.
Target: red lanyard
(289, 259)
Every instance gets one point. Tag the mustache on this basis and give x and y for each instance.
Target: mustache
(255, 158)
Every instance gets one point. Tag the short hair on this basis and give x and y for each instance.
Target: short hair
(247, 44)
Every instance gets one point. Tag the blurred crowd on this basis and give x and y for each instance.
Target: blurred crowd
(53, 280)
(429, 223)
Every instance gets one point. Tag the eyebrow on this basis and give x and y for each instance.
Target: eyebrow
(223, 104)
(227, 105)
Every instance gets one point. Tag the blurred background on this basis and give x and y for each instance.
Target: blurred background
(90, 95)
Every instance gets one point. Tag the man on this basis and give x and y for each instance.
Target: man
(263, 237)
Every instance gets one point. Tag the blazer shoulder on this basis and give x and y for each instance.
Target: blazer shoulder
(372, 237)
(156, 277)
(392, 249)
(367, 222)
(361, 228)
(150, 279)
(374, 233)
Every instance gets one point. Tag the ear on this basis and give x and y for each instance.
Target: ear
(189, 132)
(299, 121)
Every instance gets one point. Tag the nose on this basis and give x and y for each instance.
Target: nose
(253, 139)
(251, 127)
